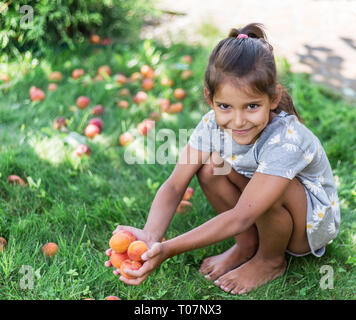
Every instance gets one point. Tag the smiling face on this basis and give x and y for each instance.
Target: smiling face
(242, 115)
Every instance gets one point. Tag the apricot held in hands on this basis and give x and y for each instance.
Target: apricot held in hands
(129, 264)
(136, 249)
(120, 241)
(117, 258)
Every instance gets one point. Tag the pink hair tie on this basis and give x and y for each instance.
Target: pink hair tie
(242, 35)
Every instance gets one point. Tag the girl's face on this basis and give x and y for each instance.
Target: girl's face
(241, 115)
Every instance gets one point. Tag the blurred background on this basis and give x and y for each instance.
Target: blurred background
(315, 36)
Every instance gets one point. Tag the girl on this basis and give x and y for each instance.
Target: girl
(259, 167)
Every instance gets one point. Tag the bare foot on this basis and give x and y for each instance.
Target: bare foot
(214, 267)
(252, 274)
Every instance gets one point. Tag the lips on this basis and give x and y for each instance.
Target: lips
(240, 131)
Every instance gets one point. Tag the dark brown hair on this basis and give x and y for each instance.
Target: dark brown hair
(249, 63)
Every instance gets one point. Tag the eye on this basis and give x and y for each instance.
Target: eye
(253, 106)
(223, 106)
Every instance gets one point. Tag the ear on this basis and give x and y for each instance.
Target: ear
(206, 95)
(277, 98)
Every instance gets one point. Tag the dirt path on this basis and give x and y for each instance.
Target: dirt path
(316, 36)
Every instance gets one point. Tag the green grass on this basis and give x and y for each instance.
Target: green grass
(78, 203)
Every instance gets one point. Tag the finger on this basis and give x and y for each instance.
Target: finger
(108, 252)
(146, 269)
(108, 264)
(132, 282)
(116, 272)
(155, 250)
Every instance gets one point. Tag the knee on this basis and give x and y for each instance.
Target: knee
(205, 174)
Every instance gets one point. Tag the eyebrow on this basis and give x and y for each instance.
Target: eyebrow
(250, 102)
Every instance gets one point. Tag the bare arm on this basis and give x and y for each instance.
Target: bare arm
(171, 192)
(259, 195)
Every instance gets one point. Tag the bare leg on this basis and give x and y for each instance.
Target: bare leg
(223, 192)
(278, 229)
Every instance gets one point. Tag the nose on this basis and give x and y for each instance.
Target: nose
(238, 120)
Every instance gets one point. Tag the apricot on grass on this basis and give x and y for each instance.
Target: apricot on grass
(184, 207)
(175, 108)
(77, 73)
(97, 110)
(50, 249)
(116, 258)
(55, 76)
(126, 138)
(3, 244)
(121, 240)
(52, 87)
(188, 193)
(82, 102)
(129, 264)
(104, 70)
(82, 149)
(98, 122)
(136, 249)
(112, 298)
(145, 126)
(179, 93)
(14, 179)
(91, 131)
(123, 104)
(147, 84)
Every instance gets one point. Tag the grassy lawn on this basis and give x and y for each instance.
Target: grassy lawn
(77, 202)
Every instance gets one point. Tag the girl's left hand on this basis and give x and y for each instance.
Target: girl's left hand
(153, 259)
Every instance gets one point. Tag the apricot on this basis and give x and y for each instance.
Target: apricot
(82, 102)
(36, 94)
(188, 193)
(98, 122)
(126, 138)
(136, 249)
(82, 149)
(3, 244)
(50, 249)
(97, 110)
(91, 131)
(55, 76)
(179, 93)
(120, 241)
(155, 115)
(120, 79)
(135, 76)
(145, 126)
(167, 82)
(116, 258)
(129, 264)
(104, 70)
(98, 77)
(112, 298)
(95, 39)
(77, 73)
(187, 59)
(14, 179)
(140, 97)
(186, 74)
(4, 78)
(147, 84)
(124, 92)
(164, 104)
(183, 207)
(123, 104)
(175, 108)
(147, 72)
(59, 123)
(52, 87)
